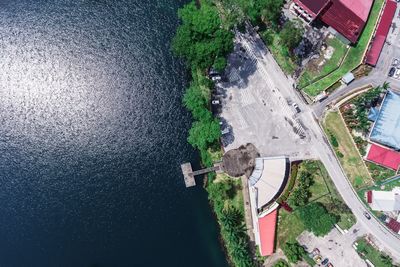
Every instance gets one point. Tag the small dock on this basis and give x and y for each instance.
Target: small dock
(189, 174)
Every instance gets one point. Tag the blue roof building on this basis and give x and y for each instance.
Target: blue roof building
(386, 129)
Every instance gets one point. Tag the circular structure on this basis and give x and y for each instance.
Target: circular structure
(240, 161)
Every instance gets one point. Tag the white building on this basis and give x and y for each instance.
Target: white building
(385, 200)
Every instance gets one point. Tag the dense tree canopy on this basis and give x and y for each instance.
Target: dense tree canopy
(317, 219)
(293, 251)
(291, 34)
(204, 133)
(200, 39)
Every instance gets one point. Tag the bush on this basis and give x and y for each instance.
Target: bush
(200, 39)
(281, 263)
(334, 141)
(293, 251)
(317, 219)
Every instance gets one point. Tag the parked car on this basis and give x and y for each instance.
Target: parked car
(225, 131)
(296, 107)
(366, 214)
(395, 62)
(392, 71)
(215, 102)
(315, 252)
(329, 265)
(216, 78)
(325, 261)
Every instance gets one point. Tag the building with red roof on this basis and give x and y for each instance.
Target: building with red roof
(383, 156)
(347, 17)
(267, 228)
(381, 33)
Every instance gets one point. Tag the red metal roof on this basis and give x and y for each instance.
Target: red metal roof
(384, 156)
(369, 197)
(267, 225)
(348, 17)
(381, 33)
(394, 225)
(313, 7)
(345, 20)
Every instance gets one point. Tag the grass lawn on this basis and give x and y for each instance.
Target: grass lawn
(367, 251)
(313, 72)
(353, 58)
(379, 173)
(348, 155)
(323, 190)
(289, 227)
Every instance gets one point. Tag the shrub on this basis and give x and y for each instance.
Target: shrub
(317, 219)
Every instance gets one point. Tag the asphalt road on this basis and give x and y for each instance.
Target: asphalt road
(388, 240)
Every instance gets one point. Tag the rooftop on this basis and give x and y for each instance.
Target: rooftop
(386, 130)
(386, 200)
(267, 225)
(384, 156)
(267, 179)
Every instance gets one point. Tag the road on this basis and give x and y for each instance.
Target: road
(388, 240)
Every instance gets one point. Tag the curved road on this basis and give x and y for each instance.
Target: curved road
(388, 240)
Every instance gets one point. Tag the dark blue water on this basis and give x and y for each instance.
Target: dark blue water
(92, 134)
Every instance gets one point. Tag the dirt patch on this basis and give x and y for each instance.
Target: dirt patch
(240, 161)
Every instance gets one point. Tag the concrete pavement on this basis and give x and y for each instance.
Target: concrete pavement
(317, 144)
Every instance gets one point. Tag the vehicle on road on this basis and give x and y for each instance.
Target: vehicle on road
(325, 261)
(296, 107)
(215, 102)
(392, 71)
(395, 62)
(366, 214)
(329, 265)
(225, 131)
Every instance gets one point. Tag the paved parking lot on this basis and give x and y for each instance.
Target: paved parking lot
(334, 246)
(256, 107)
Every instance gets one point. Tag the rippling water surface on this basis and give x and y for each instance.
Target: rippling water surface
(92, 132)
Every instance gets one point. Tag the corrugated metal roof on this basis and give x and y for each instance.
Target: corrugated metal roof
(344, 20)
(381, 33)
(384, 157)
(386, 129)
(314, 6)
(267, 225)
(386, 200)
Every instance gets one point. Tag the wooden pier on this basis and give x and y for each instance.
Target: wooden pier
(189, 174)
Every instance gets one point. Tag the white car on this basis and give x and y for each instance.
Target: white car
(215, 102)
(296, 107)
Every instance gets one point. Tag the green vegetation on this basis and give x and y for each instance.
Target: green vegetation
(281, 53)
(293, 251)
(379, 173)
(235, 12)
(292, 180)
(353, 58)
(315, 70)
(350, 160)
(291, 34)
(281, 263)
(301, 194)
(367, 251)
(355, 113)
(226, 197)
(317, 219)
(321, 191)
(200, 39)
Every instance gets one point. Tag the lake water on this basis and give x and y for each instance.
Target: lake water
(92, 135)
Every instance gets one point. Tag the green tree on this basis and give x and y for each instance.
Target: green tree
(195, 101)
(220, 64)
(317, 219)
(272, 11)
(293, 251)
(281, 263)
(200, 39)
(291, 34)
(204, 133)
